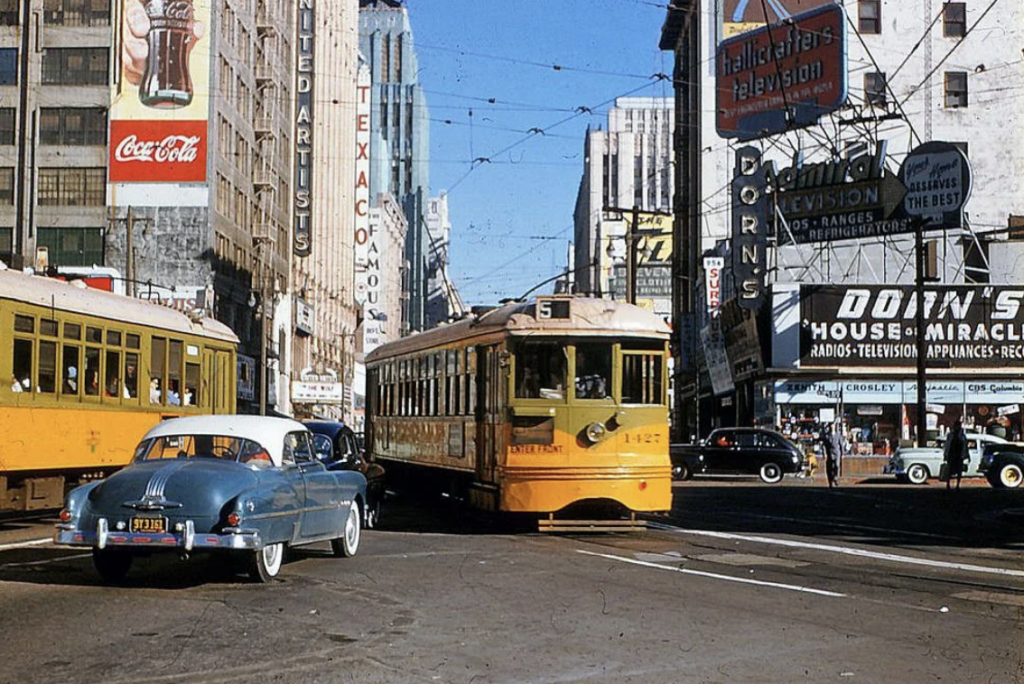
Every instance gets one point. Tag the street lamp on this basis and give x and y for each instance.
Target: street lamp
(261, 312)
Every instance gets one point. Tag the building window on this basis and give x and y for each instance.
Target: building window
(6, 243)
(954, 19)
(8, 119)
(72, 187)
(75, 66)
(9, 15)
(73, 246)
(869, 16)
(9, 66)
(7, 186)
(73, 126)
(956, 89)
(76, 12)
(874, 89)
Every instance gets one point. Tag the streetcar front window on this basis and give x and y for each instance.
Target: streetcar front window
(540, 371)
(593, 370)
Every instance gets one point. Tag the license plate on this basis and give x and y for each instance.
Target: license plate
(149, 525)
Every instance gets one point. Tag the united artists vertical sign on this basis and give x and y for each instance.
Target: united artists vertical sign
(303, 128)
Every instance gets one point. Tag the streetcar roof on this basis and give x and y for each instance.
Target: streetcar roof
(76, 298)
(588, 317)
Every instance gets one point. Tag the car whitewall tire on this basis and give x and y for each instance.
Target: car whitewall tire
(917, 474)
(266, 562)
(771, 473)
(347, 544)
(1011, 475)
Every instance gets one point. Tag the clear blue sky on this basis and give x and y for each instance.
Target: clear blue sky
(512, 217)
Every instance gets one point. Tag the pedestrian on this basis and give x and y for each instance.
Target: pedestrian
(828, 445)
(955, 454)
(838, 450)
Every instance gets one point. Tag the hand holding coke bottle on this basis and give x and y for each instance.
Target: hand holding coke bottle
(157, 38)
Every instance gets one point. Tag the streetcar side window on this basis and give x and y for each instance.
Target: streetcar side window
(131, 375)
(157, 360)
(642, 378)
(112, 383)
(540, 371)
(47, 367)
(70, 364)
(174, 373)
(191, 397)
(92, 371)
(22, 365)
(593, 370)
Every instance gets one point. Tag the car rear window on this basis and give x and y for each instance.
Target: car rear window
(221, 447)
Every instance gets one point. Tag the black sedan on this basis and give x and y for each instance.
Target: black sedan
(1003, 465)
(744, 451)
(337, 446)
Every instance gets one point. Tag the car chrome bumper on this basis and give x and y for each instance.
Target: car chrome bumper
(69, 534)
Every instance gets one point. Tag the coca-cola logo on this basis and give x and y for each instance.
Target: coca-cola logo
(173, 148)
(177, 9)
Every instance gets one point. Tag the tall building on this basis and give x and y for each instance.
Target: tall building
(400, 126)
(323, 269)
(629, 164)
(443, 300)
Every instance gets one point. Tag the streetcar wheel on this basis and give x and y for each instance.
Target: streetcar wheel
(266, 562)
(1011, 475)
(347, 544)
(917, 474)
(681, 471)
(771, 473)
(112, 564)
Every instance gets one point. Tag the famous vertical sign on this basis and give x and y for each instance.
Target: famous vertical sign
(303, 128)
(749, 228)
(160, 100)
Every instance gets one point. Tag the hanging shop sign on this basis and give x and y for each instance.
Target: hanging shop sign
(839, 199)
(872, 392)
(782, 76)
(749, 228)
(813, 393)
(716, 359)
(994, 392)
(742, 344)
(874, 325)
(941, 392)
(317, 388)
(937, 176)
(713, 284)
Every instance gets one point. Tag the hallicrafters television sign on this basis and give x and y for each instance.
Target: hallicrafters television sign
(968, 326)
(782, 76)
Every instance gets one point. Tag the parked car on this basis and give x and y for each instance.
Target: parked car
(918, 464)
(1003, 465)
(748, 451)
(245, 486)
(339, 448)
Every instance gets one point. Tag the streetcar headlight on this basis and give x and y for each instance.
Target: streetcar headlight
(596, 432)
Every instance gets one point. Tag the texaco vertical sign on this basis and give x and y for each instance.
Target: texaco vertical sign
(362, 193)
(303, 185)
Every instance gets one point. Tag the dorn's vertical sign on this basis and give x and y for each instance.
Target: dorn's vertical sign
(749, 228)
(303, 127)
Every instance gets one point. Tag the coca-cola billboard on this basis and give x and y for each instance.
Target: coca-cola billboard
(160, 99)
(158, 151)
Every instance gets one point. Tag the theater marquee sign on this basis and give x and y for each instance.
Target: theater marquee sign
(873, 325)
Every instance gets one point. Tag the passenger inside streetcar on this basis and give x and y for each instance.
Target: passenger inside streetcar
(593, 368)
(540, 371)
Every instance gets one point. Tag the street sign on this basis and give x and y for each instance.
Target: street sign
(937, 176)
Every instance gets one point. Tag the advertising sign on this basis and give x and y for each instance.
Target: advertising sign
(782, 76)
(742, 343)
(938, 180)
(304, 27)
(362, 193)
(740, 16)
(716, 359)
(160, 100)
(317, 388)
(874, 325)
(713, 284)
(749, 228)
(839, 199)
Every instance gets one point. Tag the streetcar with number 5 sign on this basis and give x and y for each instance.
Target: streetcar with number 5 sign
(556, 407)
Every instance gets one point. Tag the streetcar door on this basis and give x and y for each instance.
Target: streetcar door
(489, 412)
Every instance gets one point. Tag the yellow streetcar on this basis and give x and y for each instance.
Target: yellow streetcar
(556, 407)
(85, 373)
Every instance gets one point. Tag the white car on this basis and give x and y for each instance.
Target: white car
(917, 464)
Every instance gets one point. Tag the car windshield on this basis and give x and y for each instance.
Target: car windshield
(202, 446)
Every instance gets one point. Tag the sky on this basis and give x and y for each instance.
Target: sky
(511, 192)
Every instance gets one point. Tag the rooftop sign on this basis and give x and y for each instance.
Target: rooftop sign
(782, 76)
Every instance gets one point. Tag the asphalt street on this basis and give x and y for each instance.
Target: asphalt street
(743, 582)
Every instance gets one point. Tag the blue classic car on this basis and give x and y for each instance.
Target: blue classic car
(244, 485)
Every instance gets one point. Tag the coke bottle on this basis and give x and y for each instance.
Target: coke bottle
(166, 82)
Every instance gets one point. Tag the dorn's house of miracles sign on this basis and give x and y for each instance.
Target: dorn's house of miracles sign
(874, 325)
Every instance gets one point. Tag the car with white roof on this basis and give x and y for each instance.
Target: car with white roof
(247, 487)
(917, 464)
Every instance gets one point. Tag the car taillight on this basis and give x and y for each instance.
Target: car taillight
(234, 519)
(65, 515)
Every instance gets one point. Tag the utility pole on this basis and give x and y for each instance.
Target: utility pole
(129, 249)
(922, 394)
(632, 237)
